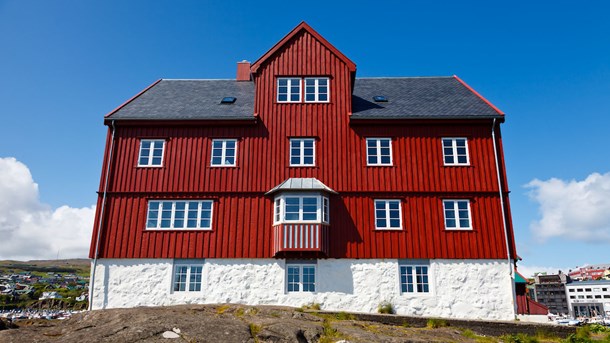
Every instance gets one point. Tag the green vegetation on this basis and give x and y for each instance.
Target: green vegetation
(518, 338)
(239, 312)
(583, 335)
(385, 307)
(344, 316)
(435, 323)
(478, 338)
(222, 309)
(330, 334)
(254, 330)
(311, 306)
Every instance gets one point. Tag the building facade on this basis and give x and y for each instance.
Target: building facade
(589, 298)
(298, 182)
(551, 291)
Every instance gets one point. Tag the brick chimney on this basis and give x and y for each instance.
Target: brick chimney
(243, 71)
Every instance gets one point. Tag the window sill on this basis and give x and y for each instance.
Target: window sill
(380, 165)
(139, 166)
(211, 166)
(456, 165)
(388, 229)
(458, 230)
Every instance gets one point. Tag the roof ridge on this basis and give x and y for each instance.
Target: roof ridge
(404, 77)
(199, 80)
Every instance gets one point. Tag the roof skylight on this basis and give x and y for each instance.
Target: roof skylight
(228, 100)
(380, 98)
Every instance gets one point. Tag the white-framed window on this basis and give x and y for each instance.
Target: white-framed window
(151, 153)
(302, 152)
(288, 89)
(316, 89)
(388, 215)
(414, 278)
(301, 208)
(187, 278)
(300, 278)
(224, 152)
(179, 214)
(455, 151)
(457, 214)
(379, 151)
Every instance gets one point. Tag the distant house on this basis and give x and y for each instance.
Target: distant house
(298, 182)
(50, 295)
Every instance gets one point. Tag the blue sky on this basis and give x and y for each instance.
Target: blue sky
(64, 64)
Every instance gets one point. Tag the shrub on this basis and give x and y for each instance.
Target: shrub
(311, 306)
(344, 316)
(518, 338)
(385, 307)
(435, 323)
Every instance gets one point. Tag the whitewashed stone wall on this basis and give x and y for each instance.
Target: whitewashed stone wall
(471, 289)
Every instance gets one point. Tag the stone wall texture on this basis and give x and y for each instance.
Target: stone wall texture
(461, 289)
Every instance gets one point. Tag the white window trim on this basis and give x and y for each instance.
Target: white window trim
(150, 154)
(282, 207)
(173, 214)
(387, 211)
(301, 265)
(302, 152)
(188, 277)
(454, 151)
(415, 292)
(378, 151)
(223, 155)
(457, 218)
(316, 89)
(289, 85)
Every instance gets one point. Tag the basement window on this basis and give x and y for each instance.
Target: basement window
(228, 100)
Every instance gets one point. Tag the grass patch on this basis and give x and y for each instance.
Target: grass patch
(385, 307)
(254, 331)
(252, 311)
(311, 306)
(330, 334)
(478, 338)
(222, 309)
(344, 316)
(239, 312)
(435, 323)
(518, 338)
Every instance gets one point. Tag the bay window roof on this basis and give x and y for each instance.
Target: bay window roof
(301, 184)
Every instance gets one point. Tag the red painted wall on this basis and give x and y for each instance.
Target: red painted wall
(242, 217)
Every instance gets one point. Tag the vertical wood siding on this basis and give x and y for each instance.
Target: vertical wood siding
(242, 217)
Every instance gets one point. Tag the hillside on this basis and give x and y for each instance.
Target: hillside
(235, 323)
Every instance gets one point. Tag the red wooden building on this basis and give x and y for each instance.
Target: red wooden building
(298, 182)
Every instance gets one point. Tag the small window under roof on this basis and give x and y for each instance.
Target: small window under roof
(380, 98)
(228, 100)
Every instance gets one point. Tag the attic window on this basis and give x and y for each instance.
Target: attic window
(380, 98)
(228, 100)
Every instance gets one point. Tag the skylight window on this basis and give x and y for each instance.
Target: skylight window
(380, 98)
(228, 100)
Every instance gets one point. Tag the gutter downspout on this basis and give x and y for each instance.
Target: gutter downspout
(501, 192)
(99, 226)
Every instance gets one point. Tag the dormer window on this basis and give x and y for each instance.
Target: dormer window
(308, 89)
(316, 89)
(288, 89)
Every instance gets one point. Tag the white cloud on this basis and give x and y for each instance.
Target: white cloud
(529, 271)
(32, 230)
(576, 210)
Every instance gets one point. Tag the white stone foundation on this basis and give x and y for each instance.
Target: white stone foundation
(467, 289)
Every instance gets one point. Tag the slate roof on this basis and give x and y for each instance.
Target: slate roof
(418, 98)
(190, 100)
(301, 184)
(408, 98)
